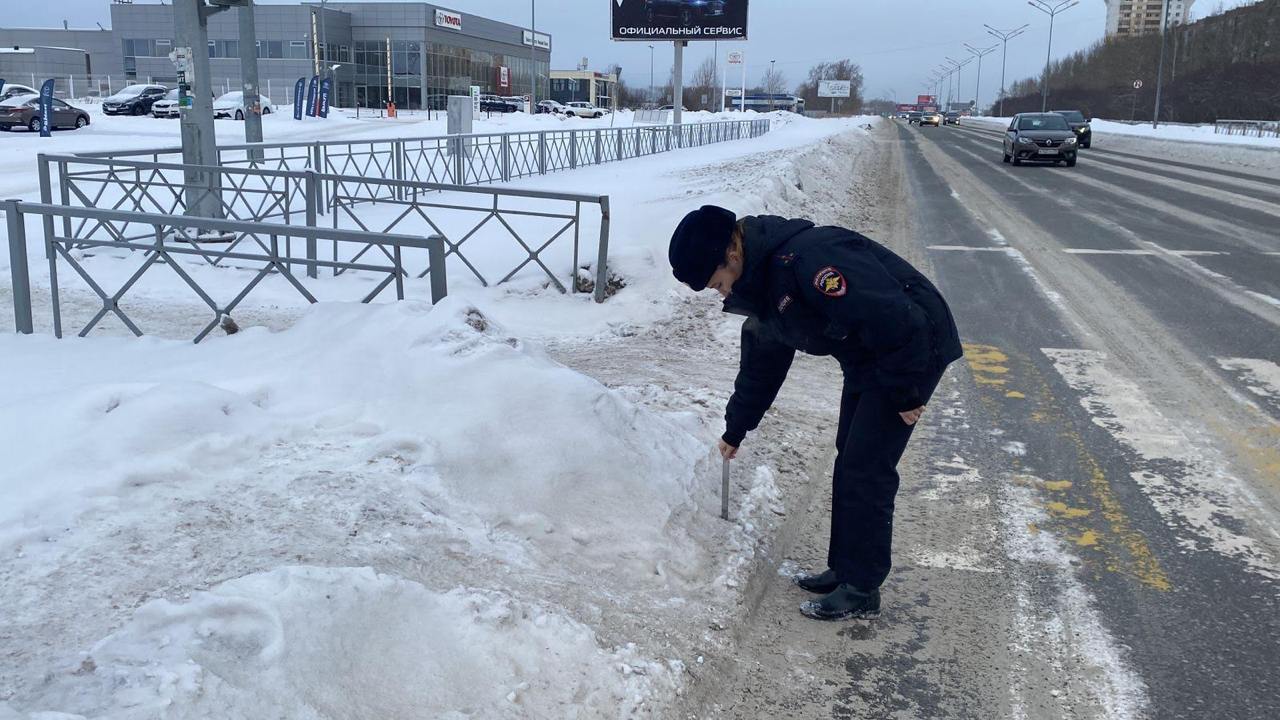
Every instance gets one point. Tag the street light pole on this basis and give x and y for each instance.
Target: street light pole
(1052, 11)
(977, 88)
(533, 54)
(651, 75)
(1005, 37)
(772, 79)
(1164, 26)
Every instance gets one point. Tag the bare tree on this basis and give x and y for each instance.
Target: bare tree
(774, 81)
(704, 85)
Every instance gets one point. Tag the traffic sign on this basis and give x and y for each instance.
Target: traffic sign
(1137, 84)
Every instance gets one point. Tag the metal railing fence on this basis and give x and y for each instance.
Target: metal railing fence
(469, 159)
(1255, 128)
(175, 239)
(300, 197)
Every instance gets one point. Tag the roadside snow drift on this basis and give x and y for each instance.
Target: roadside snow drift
(398, 435)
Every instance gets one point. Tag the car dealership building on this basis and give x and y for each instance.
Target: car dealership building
(409, 52)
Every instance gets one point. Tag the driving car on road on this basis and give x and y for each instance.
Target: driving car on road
(582, 110)
(930, 118)
(231, 105)
(24, 111)
(914, 116)
(1040, 137)
(1079, 125)
(134, 100)
(951, 118)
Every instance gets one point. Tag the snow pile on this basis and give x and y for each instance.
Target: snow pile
(307, 642)
(424, 441)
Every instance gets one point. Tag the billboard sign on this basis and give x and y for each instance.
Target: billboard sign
(926, 99)
(833, 88)
(544, 41)
(504, 78)
(446, 19)
(679, 19)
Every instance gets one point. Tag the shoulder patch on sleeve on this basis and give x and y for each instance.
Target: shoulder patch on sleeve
(830, 282)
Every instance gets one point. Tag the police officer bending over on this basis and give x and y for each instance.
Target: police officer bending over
(828, 291)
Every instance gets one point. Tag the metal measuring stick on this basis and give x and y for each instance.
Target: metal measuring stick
(724, 490)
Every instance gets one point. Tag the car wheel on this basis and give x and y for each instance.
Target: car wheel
(139, 110)
(239, 115)
(599, 115)
(34, 125)
(1087, 145)
(81, 121)
(1016, 161)
(266, 111)
(4, 128)
(1006, 158)
(1071, 162)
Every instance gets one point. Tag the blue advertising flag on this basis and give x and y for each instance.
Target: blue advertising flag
(312, 89)
(298, 89)
(326, 87)
(46, 108)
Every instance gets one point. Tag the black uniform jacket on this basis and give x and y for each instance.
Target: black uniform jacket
(831, 291)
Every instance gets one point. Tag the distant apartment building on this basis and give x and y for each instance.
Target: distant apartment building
(1139, 17)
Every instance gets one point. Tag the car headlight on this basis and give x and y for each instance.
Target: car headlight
(1026, 141)
(1069, 141)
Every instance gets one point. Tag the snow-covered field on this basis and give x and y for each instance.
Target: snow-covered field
(386, 510)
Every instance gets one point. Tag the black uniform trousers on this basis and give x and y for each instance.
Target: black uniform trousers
(870, 440)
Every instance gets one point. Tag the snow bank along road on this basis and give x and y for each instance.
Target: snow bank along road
(1123, 328)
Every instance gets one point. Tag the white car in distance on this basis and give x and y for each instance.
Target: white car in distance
(582, 110)
(167, 106)
(231, 105)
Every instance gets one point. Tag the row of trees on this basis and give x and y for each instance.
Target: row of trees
(702, 92)
(1223, 67)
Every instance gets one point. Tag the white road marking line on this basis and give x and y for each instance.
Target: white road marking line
(1271, 253)
(1197, 253)
(968, 248)
(1188, 481)
(1262, 377)
(1092, 251)
(1263, 297)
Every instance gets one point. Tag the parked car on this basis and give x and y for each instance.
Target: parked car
(930, 118)
(231, 105)
(24, 111)
(550, 107)
(167, 106)
(13, 90)
(1080, 125)
(582, 110)
(673, 107)
(134, 100)
(914, 116)
(516, 101)
(686, 11)
(951, 118)
(1040, 137)
(493, 103)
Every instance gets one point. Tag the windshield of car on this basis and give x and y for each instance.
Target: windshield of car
(19, 100)
(1071, 115)
(1042, 122)
(233, 96)
(171, 95)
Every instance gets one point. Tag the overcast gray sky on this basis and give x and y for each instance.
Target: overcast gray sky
(896, 43)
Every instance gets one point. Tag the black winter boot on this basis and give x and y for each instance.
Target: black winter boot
(843, 602)
(822, 583)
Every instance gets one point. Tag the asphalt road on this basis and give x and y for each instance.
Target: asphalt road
(1122, 328)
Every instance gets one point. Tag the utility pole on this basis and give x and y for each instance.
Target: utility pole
(772, 79)
(677, 82)
(1164, 27)
(1005, 37)
(202, 189)
(1052, 11)
(977, 88)
(533, 54)
(249, 79)
(651, 75)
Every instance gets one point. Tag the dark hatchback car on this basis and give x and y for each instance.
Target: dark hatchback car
(1040, 137)
(1080, 125)
(686, 11)
(24, 111)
